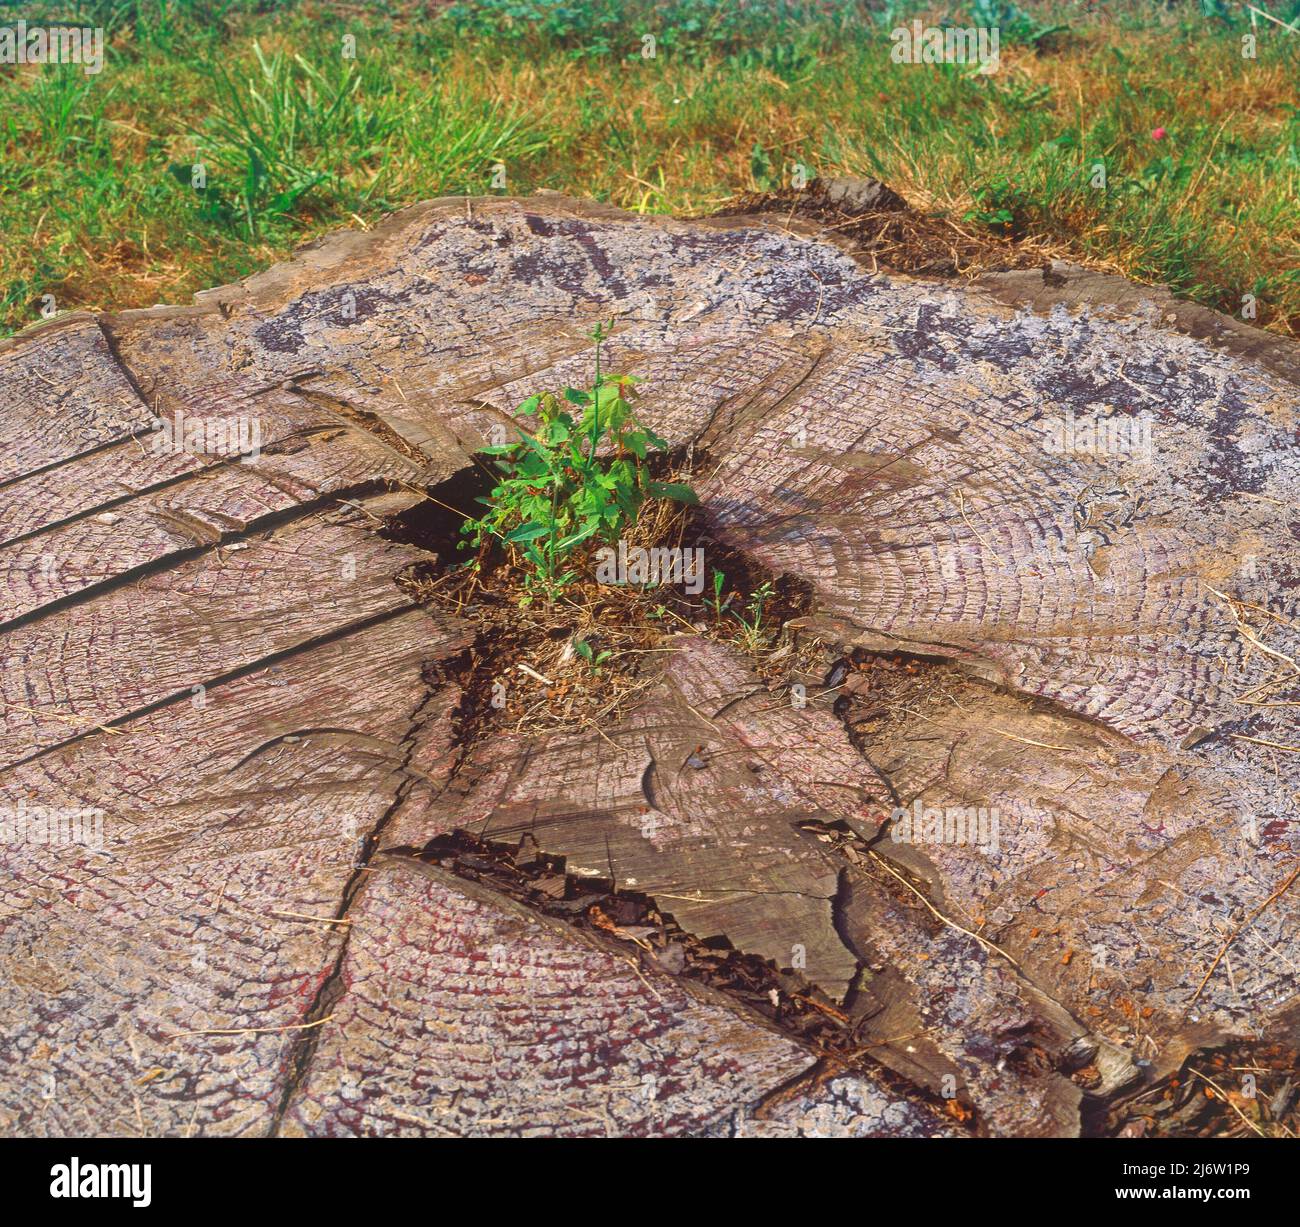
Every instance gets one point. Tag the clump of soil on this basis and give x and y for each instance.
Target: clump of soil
(885, 231)
(527, 671)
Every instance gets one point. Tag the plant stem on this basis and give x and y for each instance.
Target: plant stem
(595, 406)
(550, 544)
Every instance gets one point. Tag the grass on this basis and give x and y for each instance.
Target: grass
(291, 136)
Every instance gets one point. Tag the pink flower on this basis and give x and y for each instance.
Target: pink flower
(1158, 134)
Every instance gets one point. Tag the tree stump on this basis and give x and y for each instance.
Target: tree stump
(1048, 519)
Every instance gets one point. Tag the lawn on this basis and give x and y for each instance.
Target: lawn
(221, 133)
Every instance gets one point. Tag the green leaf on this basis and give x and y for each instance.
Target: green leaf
(567, 543)
(534, 465)
(529, 407)
(673, 490)
(527, 532)
(534, 446)
(615, 414)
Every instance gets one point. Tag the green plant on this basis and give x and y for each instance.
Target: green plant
(256, 200)
(719, 581)
(752, 626)
(684, 30)
(583, 649)
(1014, 24)
(762, 169)
(570, 479)
(994, 203)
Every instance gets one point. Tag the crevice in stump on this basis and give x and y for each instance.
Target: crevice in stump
(630, 921)
(304, 1045)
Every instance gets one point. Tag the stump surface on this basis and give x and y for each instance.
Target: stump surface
(210, 657)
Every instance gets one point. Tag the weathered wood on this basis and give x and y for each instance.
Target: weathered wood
(215, 507)
(92, 483)
(85, 667)
(695, 799)
(941, 1006)
(461, 1015)
(701, 798)
(845, 1107)
(64, 397)
(155, 984)
(1089, 668)
(1117, 868)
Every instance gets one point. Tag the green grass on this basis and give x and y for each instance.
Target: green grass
(294, 138)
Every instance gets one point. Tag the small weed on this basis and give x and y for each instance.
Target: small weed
(752, 634)
(583, 649)
(719, 582)
(1013, 23)
(762, 170)
(995, 203)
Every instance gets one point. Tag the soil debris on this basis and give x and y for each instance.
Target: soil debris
(888, 233)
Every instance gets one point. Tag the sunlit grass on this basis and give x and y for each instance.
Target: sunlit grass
(294, 137)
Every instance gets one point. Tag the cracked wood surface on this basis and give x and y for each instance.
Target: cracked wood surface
(700, 798)
(718, 844)
(467, 1016)
(71, 386)
(152, 984)
(881, 439)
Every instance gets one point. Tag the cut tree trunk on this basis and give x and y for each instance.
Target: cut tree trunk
(209, 656)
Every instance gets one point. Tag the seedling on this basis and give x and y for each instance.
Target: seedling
(580, 473)
(752, 626)
(583, 649)
(719, 581)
